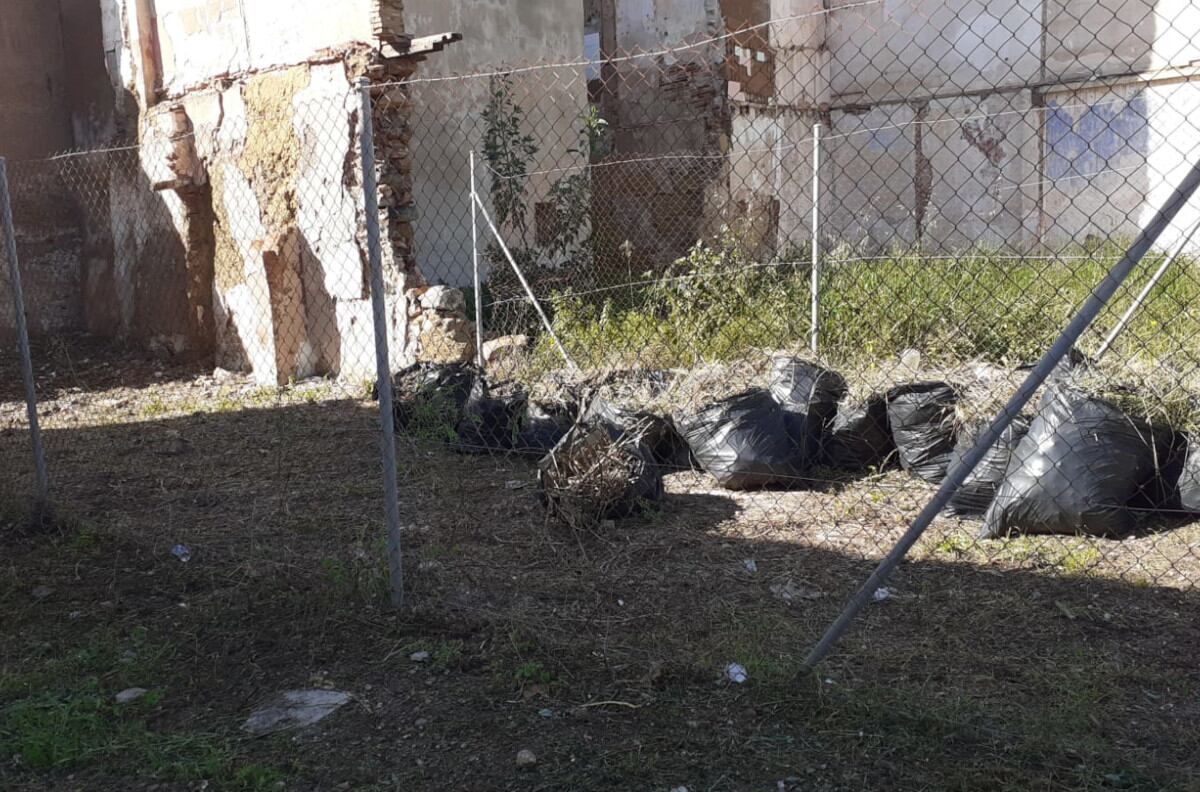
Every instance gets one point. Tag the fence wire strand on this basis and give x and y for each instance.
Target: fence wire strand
(657, 202)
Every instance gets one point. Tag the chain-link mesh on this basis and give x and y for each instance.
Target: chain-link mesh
(683, 339)
(979, 173)
(797, 260)
(211, 366)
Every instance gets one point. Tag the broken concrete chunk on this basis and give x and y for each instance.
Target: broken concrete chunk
(504, 351)
(445, 339)
(444, 299)
(295, 709)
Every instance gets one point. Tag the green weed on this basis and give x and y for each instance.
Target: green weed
(532, 672)
(721, 303)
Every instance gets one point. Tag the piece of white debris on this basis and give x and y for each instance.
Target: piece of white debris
(882, 594)
(736, 673)
(419, 657)
(130, 695)
(750, 564)
(788, 591)
(295, 709)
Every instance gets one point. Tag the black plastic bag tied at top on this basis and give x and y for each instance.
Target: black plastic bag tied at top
(859, 437)
(1080, 469)
(743, 441)
(921, 417)
(809, 395)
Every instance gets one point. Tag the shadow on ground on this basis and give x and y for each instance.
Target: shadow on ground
(601, 652)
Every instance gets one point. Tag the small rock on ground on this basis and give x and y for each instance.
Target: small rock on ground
(526, 758)
(419, 657)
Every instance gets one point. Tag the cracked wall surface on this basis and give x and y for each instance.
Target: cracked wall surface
(275, 116)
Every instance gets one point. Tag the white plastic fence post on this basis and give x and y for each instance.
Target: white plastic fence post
(1134, 307)
(525, 284)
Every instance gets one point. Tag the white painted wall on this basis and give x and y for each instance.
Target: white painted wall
(201, 39)
(902, 49)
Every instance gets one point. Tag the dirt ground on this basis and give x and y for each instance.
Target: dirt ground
(1049, 664)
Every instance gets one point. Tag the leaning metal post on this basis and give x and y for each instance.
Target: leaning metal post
(525, 284)
(1058, 350)
(1138, 301)
(14, 274)
(383, 371)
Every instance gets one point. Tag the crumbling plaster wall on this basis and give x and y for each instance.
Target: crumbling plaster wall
(200, 39)
(945, 123)
(982, 163)
(446, 116)
(650, 209)
(278, 147)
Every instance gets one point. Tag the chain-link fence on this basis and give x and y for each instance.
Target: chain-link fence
(204, 343)
(799, 262)
(804, 263)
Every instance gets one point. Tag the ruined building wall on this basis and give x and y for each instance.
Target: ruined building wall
(276, 183)
(51, 100)
(651, 212)
(995, 160)
(1014, 122)
(446, 120)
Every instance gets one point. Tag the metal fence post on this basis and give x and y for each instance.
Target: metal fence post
(1096, 301)
(815, 318)
(1138, 301)
(14, 273)
(383, 368)
(475, 266)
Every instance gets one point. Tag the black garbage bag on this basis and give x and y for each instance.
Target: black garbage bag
(743, 441)
(1078, 469)
(921, 417)
(1189, 478)
(489, 423)
(429, 399)
(596, 473)
(809, 395)
(542, 427)
(859, 437)
(657, 432)
(979, 489)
